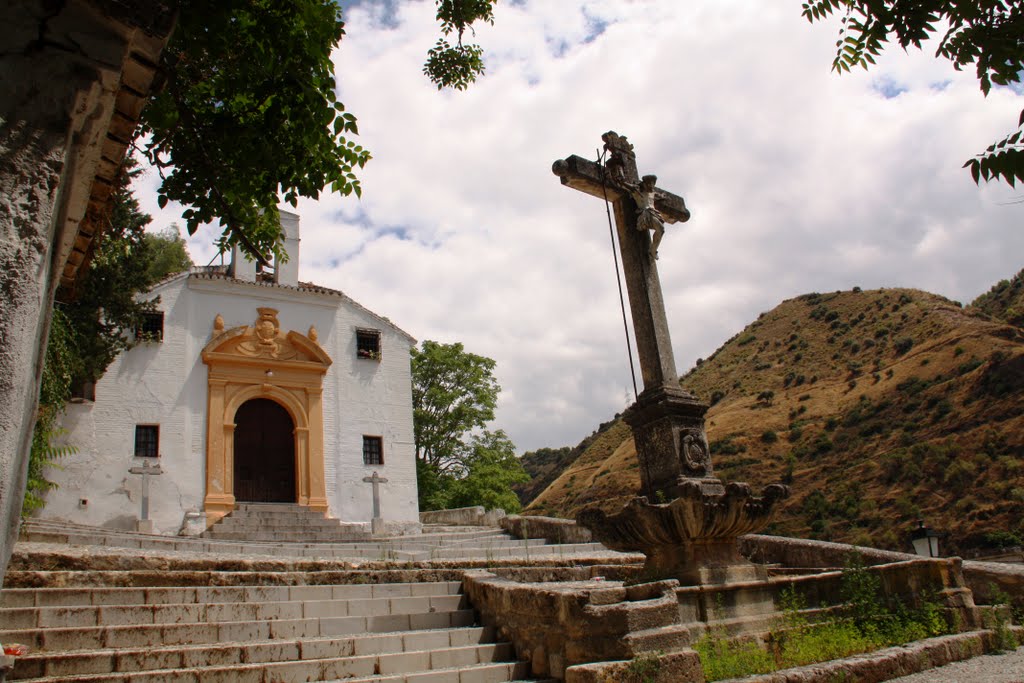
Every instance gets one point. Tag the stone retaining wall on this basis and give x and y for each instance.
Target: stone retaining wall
(1008, 579)
(471, 516)
(552, 529)
(555, 626)
(980, 577)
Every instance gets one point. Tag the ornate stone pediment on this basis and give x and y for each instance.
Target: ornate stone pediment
(264, 339)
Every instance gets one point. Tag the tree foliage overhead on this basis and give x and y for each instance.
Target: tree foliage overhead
(248, 114)
(248, 110)
(988, 34)
(456, 66)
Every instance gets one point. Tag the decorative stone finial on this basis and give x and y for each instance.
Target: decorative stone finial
(313, 336)
(218, 324)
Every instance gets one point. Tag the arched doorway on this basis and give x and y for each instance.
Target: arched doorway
(264, 451)
(259, 361)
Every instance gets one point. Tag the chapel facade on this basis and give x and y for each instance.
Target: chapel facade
(246, 387)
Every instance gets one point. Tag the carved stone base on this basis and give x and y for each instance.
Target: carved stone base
(693, 538)
(668, 428)
(703, 562)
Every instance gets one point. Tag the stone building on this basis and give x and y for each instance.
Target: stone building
(248, 387)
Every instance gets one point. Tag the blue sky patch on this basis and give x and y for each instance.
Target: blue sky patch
(887, 87)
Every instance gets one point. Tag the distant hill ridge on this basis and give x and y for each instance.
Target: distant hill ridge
(877, 407)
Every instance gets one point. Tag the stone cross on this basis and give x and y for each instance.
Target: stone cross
(146, 471)
(667, 421)
(376, 480)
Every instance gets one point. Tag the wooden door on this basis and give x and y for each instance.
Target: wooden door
(264, 453)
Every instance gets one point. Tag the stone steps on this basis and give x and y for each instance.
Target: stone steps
(383, 667)
(215, 612)
(470, 646)
(87, 595)
(408, 548)
(412, 632)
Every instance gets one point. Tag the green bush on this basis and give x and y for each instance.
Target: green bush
(769, 436)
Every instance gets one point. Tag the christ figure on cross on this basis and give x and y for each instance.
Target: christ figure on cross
(647, 215)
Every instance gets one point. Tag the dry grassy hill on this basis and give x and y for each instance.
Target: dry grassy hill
(877, 407)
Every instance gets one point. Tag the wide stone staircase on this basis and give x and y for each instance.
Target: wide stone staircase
(389, 632)
(282, 522)
(271, 593)
(241, 533)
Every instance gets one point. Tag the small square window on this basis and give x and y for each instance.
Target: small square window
(147, 441)
(368, 344)
(83, 391)
(373, 450)
(152, 327)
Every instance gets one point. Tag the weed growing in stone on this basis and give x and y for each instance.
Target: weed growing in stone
(644, 668)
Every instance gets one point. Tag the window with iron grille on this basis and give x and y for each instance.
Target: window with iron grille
(152, 327)
(368, 344)
(147, 441)
(373, 450)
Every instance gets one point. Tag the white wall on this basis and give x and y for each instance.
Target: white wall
(165, 383)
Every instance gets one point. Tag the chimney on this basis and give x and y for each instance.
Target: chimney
(241, 267)
(288, 273)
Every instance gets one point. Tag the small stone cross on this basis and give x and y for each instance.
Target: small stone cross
(376, 480)
(667, 421)
(146, 471)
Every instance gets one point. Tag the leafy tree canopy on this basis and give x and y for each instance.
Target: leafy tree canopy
(492, 468)
(453, 393)
(458, 463)
(984, 33)
(248, 113)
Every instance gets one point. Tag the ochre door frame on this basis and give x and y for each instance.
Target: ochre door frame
(259, 361)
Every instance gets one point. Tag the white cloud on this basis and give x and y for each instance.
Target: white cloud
(799, 180)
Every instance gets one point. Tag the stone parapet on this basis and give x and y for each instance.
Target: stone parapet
(556, 626)
(469, 516)
(799, 552)
(675, 667)
(991, 582)
(551, 529)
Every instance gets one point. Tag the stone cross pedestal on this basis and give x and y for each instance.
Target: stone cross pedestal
(667, 421)
(145, 524)
(376, 524)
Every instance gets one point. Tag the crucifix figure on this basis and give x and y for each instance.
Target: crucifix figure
(667, 421)
(145, 524)
(377, 524)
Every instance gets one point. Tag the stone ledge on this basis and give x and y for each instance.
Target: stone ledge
(676, 667)
(551, 529)
(893, 662)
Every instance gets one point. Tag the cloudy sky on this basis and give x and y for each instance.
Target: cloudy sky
(798, 180)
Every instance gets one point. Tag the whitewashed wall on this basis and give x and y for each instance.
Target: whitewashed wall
(165, 383)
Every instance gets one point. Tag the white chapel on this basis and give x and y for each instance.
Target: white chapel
(249, 387)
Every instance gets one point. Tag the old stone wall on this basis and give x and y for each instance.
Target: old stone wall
(552, 529)
(799, 552)
(980, 577)
(475, 515)
(992, 581)
(555, 626)
(60, 74)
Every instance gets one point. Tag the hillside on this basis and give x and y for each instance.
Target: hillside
(1004, 302)
(878, 408)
